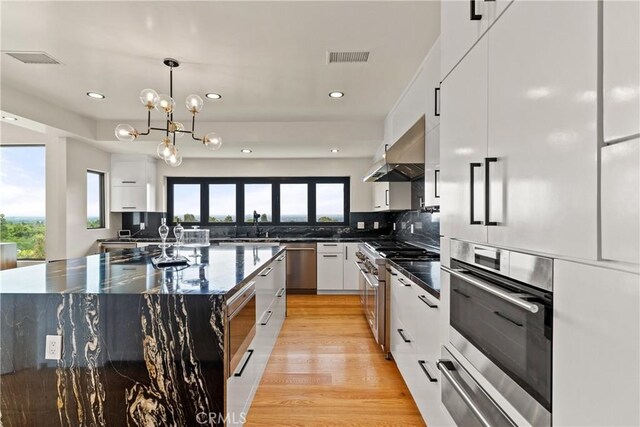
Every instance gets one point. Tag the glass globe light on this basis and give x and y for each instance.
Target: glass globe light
(149, 98)
(194, 103)
(165, 104)
(164, 149)
(212, 141)
(126, 132)
(174, 159)
(176, 126)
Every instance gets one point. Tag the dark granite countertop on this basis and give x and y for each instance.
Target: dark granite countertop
(248, 239)
(425, 274)
(220, 270)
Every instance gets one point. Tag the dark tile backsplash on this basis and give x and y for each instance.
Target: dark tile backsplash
(426, 227)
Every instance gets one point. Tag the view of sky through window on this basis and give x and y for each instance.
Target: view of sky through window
(222, 203)
(186, 202)
(329, 202)
(294, 203)
(257, 197)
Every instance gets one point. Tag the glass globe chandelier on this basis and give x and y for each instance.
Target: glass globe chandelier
(165, 104)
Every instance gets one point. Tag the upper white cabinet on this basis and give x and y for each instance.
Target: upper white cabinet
(133, 183)
(519, 141)
(596, 346)
(542, 128)
(391, 196)
(621, 201)
(621, 65)
(463, 23)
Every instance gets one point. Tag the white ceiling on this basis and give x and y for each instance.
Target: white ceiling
(267, 59)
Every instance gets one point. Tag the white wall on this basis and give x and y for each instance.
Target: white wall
(67, 233)
(353, 167)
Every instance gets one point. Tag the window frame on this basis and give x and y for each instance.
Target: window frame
(275, 198)
(102, 196)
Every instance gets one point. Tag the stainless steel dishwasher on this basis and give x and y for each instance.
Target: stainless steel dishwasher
(301, 268)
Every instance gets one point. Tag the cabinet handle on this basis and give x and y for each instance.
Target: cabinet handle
(329, 244)
(266, 271)
(129, 207)
(472, 219)
(436, 179)
(267, 315)
(436, 108)
(487, 190)
(346, 253)
(502, 316)
(330, 256)
(377, 207)
(386, 197)
(280, 293)
(424, 299)
(246, 362)
(404, 338)
(129, 182)
(401, 280)
(474, 16)
(425, 369)
(391, 272)
(280, 258)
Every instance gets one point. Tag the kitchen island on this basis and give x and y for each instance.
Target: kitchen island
(140, 346)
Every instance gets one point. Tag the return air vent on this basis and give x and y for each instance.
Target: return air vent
(33, 58)
(347, 57)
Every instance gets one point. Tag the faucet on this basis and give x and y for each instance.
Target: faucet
(256, 219)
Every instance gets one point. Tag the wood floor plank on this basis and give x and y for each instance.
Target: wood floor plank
(326, 370)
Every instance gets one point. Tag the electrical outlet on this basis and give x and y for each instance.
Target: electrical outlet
(411, 228)
(53, 350)
(142, 226)
(360, 225)
(376, 225)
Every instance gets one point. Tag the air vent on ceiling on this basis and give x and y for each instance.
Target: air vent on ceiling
(33, 57)
(347, 57)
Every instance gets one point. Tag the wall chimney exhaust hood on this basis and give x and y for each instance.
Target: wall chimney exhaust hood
(404, 161)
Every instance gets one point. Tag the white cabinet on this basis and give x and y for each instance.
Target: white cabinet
(337, 271)
(415, 345)
(330, 271)
(391, 196)
(621, 62)
(432, 178)
(596, 346)
(462, 24)
(351, 270)
(621, 201)
(133, 183)
(532, 125)
(463, 135)
(541, 127)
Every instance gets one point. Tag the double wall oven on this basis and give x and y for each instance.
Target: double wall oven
(501, 323)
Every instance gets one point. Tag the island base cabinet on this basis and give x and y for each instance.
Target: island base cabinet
(596, 346)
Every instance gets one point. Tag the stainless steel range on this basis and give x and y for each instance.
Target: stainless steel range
(374, 293)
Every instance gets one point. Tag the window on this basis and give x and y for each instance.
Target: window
(291, 200)
(186, 203)
(294, 202)
(330, 202)
(222, 203)
(95, 199)
(257, 197)
(22, 199)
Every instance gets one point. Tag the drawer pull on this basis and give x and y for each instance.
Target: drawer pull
(329, 244)
(404, 338)
(129, 182)
(401, 280)
(266, 271)
(280, 258)
(424, 299)
(330, 256)
(246, 362)
(425, 368)
(267, 315)
(280, 293)
(129, 207)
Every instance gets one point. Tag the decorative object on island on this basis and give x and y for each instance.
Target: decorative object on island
(165, 260)
(164, 103)
(196, 238)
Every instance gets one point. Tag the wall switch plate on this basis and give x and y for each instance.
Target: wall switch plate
(411, 228)
(142, 226)
(360, 225)
(376, 225)
(53, 347)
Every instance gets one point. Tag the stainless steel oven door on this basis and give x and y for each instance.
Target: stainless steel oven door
(371, 302)
(241, 325)
(362, 284)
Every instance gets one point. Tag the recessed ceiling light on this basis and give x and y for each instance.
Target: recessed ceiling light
(334, 150)
(246, 151)
(212, 95)
(13, 119)
(336, 94)
(95, 95)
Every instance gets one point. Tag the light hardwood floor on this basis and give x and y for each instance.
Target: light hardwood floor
(326, 370)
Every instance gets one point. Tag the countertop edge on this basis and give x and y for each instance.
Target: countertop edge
(415, 279)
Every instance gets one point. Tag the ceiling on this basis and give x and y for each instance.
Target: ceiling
(268, 59)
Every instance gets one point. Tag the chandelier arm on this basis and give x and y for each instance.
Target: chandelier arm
(193, 128)
(148, 124)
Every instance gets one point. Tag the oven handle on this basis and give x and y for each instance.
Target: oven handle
(366, 277)
(459, 273)
(446, 366)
